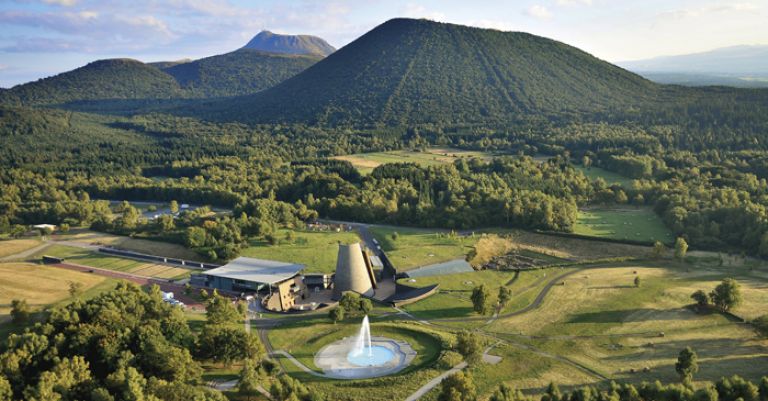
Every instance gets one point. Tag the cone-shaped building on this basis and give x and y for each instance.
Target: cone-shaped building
(353, 272)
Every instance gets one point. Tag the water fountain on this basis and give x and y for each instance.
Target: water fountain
(364, 356)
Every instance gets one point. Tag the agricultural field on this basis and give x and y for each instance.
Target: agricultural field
(366, 162)
(317, 250)
(640, 224)
(90, 258)
(158, 248)
(416, 247)
(13, 246)
(43, 285)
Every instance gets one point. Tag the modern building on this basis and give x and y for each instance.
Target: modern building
(354, 272)
(280, 282)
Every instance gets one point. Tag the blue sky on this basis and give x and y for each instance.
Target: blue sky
(39, 38)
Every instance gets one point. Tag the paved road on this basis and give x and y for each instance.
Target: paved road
(176, 289)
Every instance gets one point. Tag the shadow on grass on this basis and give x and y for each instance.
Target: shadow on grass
(624, 316)
(443, 313)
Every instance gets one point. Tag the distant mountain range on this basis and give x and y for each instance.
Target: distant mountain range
(745, 66)
(419, 71)
(244, 71)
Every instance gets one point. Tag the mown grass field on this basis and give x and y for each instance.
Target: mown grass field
(366, 162)
(43, 285)
(610, 177)
(600, 320)
(415, 247)
(13, 246)
(317, 250)
(86, 257)
(625, 224)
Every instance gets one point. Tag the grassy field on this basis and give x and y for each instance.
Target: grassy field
(627, 224)
(600, 320)
(317, 250)
(130, 244)
(14, 246)
(366, 162)
(416, 247)
(86, 257)
(610, 177)
(43, 285)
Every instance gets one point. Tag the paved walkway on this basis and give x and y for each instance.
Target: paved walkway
(434, 382)
(297, 363)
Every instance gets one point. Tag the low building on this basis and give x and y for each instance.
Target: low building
(279, 282)
(318, 280)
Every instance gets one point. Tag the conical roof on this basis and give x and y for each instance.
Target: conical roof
(351, 272)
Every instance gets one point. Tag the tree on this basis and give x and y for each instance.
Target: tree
(204, 293)
(166, 223)
(481, 299)
(468, 345)
(6, 392)
(727, 295)
(174, 206)
(365, 305)
(336, 314)
(681, 248)
(507, 393)
(248, 385)
(219, 310)
(20, 311)
(75, 288)
(187, 289)
(350, 301)
(637, 281)
(505, 294)
(395, 236)
(458, 387)
(701, 298)
(659, 249)
(763, 388)
(687, 365)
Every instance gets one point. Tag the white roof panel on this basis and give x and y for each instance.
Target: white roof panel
(256, 270)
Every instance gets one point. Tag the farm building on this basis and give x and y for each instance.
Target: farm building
(280, 280)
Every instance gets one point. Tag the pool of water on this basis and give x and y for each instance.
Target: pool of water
(378, 356)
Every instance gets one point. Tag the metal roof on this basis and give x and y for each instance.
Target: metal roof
(256, 270)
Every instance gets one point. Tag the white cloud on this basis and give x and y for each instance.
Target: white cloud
(65, 3)
(538, 11)
(574, 2)
(708, 9)
(493, 24)
(412, 10)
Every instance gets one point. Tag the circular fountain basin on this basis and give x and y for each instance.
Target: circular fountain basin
(377, 355)
(388, 356)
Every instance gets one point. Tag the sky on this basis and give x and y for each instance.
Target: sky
(39, 38)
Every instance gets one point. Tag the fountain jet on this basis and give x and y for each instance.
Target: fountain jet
(363, 339)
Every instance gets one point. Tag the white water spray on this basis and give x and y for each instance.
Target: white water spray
(363, 339)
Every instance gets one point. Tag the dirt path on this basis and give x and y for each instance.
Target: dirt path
(434, 382)
(25, 254)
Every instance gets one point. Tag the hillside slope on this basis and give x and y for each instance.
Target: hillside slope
(419, 71)
(267, 41)
(102, 79)
(238, 73)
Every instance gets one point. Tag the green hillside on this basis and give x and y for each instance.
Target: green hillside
(238, 73)
(419, 71)
(102, 79)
